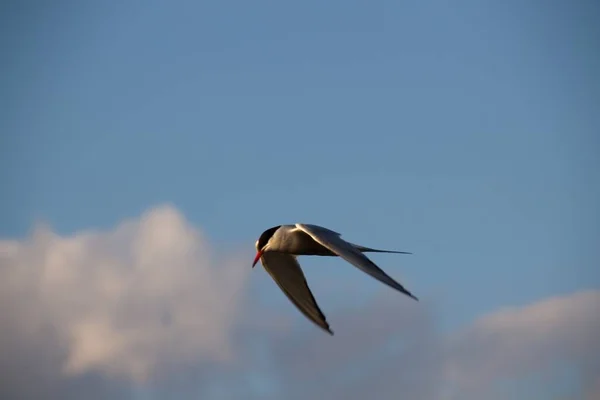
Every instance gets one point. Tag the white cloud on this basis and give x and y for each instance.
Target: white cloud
(516, 341)
(390, 347)
(96, 311)
(125, 303)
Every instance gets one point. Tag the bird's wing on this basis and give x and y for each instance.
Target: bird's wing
(317, 228)
(286, 272)
(348, 252)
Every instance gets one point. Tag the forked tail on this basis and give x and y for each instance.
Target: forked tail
(370, 250)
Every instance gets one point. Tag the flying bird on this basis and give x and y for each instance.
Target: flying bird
(278, 247)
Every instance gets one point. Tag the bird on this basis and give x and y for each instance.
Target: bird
(278, 247)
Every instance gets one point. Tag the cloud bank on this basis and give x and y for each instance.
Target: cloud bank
(150, 305)
(124, 304)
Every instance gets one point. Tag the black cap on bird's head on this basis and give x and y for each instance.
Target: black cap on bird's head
(262, 242)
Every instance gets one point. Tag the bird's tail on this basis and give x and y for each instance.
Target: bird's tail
(364, 249)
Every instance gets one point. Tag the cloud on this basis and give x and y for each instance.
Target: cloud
(399, 351)
(125, 304)
(151, 305)
(386, 349)
(516, 341)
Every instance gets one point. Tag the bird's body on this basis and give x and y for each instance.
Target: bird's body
(292, 240)
(278, 247)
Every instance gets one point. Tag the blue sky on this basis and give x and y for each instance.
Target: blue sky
(465, 133)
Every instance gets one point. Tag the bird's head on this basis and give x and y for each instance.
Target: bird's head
(263, 242)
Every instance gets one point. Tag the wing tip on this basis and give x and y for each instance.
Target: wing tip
(409, 294)
(325, 327)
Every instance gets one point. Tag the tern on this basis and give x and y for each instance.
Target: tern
(278, 247)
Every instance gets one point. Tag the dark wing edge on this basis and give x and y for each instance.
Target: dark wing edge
(351, 254)
(285, 270)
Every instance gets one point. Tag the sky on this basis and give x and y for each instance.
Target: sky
(144, 146)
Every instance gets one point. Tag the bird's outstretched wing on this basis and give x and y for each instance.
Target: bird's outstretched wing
(286, 272)
(332, 241)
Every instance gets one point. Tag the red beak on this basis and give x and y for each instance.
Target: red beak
(258, 255)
